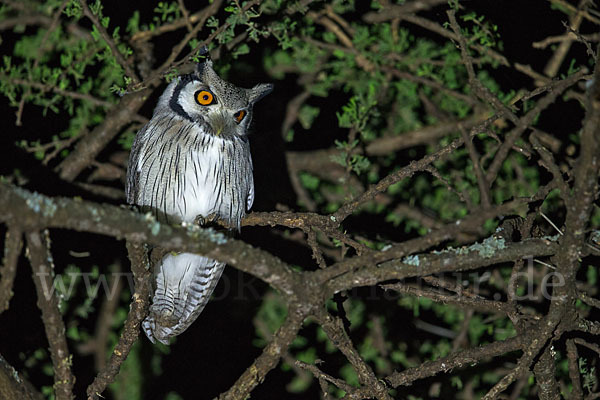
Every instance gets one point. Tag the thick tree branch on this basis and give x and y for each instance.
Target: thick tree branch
(93, 143)
(14, 386)
(8, 270)
(53, 324)
(35, 211)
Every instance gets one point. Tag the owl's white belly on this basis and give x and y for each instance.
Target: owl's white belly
(199, 196)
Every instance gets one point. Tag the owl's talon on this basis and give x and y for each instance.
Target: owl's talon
(208, 220)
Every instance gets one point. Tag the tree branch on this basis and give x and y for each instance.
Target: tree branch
(272, 353)
(13, 386)
(459, 359)
(109, 41)
(137, 312)
(93, 143)
(35, 211)
(8, 270)
(54, 326)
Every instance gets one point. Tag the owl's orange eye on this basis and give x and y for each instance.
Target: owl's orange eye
(239, 116)
(204, 97)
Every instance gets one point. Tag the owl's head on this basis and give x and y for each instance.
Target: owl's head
(204, 98)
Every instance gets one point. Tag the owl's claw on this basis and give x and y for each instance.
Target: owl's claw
(204, 221)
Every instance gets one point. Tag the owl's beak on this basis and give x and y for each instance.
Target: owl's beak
(218, 122)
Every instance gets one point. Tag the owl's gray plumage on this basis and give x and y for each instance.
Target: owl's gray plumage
(192, 160)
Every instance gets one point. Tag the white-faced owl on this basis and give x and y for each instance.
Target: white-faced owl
(192, 161)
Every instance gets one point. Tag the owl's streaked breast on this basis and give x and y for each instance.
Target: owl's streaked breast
(199, 174)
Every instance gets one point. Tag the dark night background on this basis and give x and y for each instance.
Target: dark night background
(217, 348)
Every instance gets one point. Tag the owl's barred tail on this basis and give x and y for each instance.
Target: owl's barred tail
(184, 284)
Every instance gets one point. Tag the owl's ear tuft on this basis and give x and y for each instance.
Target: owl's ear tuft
(259, 91)
(203, 52)
(201, 67)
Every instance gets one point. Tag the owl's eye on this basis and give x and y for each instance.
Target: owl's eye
(239, 116)
(204, 97)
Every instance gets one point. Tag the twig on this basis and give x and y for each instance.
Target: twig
(547, 161)
(190, 35)
(292, 111)
(573, 9)
(590, 346)
(344, 211)
(35, 19)
(393, 11)
(544, 263)
(169, 64)
(48, 88)
(462, 338)
(573, 359)
(55, 145)
(144, 36)
(388, 144)
(553, 65)
(478, 88)
(551, 223)
(542, 44)
(320, 375)
(454, 286)
(527, 119)
(54, 326)
(484, 191)
(436, 174)
(587, 299)
(335, 331)
(421, 265)
(101, 190)
(527, 70)
(580, 38)
(314, 246)
(97, 345)
(394, 177)
(417, 215)
(478, 304)
(269, 358)
(40, 51)
(186, 15)
(431, 83)
(518, 388)
(437, 28)
(331, 26)
(109, 41)
(537, 343)
(459, 359)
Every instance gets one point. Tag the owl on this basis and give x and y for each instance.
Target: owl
(191, 162)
